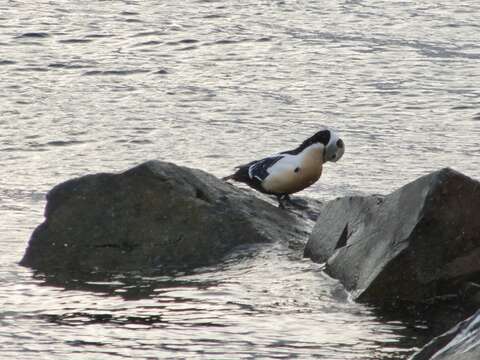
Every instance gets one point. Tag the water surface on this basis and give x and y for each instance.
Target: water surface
(210, 84)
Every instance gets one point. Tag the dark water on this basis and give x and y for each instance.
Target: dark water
(103, 85)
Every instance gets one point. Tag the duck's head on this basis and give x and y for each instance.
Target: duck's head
(334, 147)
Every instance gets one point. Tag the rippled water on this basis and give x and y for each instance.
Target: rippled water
(210, 84)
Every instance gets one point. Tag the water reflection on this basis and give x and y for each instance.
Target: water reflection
(127, 286)
(299, 311)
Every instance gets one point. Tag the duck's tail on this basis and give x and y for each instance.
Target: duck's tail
(228, 177)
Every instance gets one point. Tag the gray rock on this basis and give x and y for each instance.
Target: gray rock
(415, 244)
(154, 216)
(460, 343)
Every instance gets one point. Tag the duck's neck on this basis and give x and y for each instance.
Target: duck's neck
(313, 155)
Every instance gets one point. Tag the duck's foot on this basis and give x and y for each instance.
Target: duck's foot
(297, 203)
(286, 200)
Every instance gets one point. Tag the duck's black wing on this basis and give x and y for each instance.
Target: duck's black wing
(255, 172)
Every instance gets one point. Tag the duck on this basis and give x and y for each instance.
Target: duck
(291, 171)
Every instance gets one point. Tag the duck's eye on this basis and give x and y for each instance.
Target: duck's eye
(340, 143)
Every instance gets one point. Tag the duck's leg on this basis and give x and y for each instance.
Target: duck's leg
(281, 201)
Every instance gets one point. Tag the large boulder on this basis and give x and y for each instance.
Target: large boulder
(462, 342)
(415, 244)
(152, 217)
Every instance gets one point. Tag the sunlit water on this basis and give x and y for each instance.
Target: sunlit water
(104, 85)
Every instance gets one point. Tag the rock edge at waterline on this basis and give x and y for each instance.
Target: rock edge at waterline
(462, 342)
(416, 244)
(154, 216)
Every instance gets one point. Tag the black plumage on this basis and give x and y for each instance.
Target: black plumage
(254, 173)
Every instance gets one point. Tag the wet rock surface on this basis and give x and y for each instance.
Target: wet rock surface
(417, 244)
(462, 342)
(154, 216)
